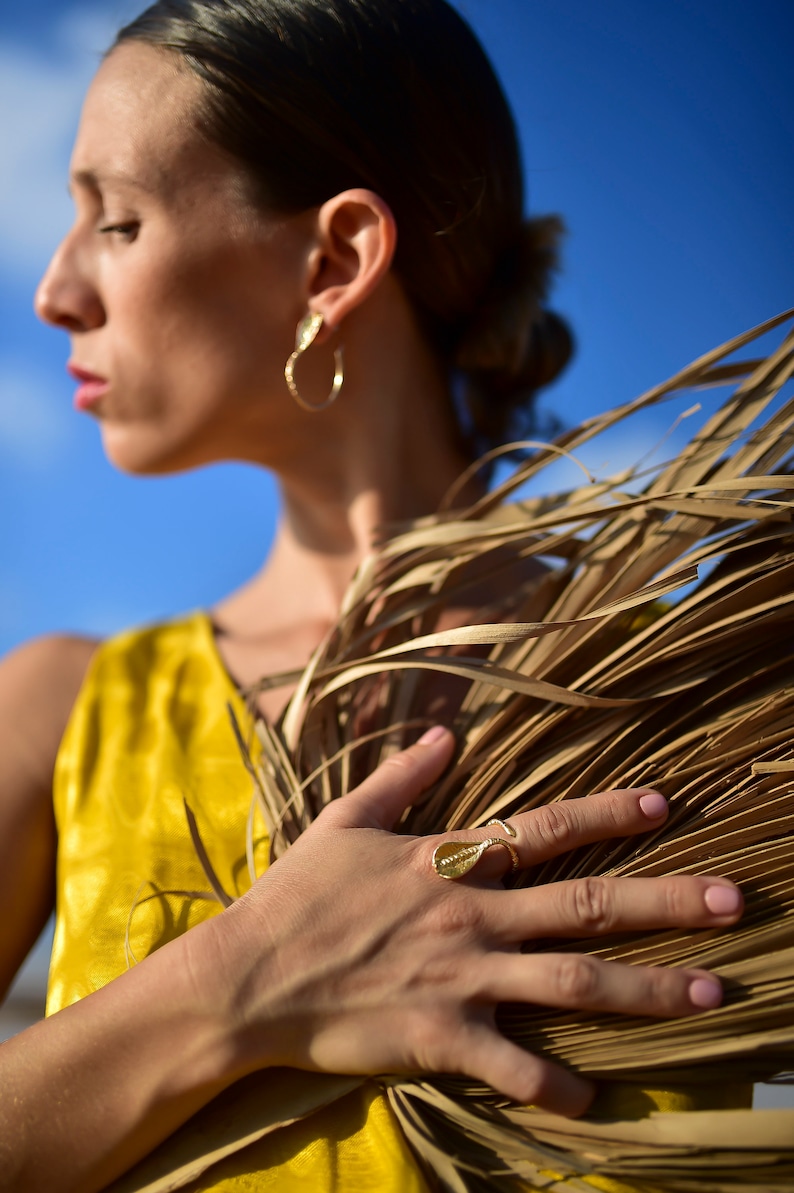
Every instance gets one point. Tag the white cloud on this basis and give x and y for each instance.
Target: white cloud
(41, 91)
(35, 428)
(41, 103)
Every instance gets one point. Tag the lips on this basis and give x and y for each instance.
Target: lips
(90, 389)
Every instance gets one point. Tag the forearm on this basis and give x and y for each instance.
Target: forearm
(350, 955)
(85, 1094)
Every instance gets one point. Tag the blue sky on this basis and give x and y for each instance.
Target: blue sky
(660, 129)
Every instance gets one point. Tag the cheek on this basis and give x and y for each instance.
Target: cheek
(199, 341)
(215, 326)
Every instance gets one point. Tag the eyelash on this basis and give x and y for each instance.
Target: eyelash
(127, 231)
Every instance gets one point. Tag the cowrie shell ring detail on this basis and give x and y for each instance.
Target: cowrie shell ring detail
(454, 859)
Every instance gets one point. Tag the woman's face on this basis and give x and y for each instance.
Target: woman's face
(180, 299)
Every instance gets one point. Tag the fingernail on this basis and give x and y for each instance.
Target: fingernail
(705, 993)
(432, 735)
(653, 805)
(723, 900)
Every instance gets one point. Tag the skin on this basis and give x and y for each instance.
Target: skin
(173, 288)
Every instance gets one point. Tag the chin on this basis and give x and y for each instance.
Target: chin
(140, 453)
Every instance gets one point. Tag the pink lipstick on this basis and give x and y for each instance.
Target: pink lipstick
(90, 389)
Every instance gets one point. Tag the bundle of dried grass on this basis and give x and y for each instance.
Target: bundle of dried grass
(583, 690)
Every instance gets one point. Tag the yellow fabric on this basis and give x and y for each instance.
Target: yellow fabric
(149, 730)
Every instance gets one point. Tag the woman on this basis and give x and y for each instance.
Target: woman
(349, 168)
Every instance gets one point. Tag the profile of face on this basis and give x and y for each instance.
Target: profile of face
(180, 297)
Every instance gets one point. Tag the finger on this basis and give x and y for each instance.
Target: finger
(398, 782)
(575, 981)
(593, 906)
(556, 828)
(527, 1079)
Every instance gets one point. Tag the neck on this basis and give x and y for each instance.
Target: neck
(384, 453)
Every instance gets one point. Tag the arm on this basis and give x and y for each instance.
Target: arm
(38, 685)
(314, 968)
(54, 1077)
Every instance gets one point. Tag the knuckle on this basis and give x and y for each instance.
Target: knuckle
(592, 906)
(332, 815)
(403, 764)
(534, 1082)
(440, 974)
(431, 1039)
(618, 809)
(611, 812)
(456, 917)
(666, 991)
(577, 979)
(552, 826)
(674, 900)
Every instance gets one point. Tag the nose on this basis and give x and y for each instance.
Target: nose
(66, 296)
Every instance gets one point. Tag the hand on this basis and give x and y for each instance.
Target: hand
(351, 955)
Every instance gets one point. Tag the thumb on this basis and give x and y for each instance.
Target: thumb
(398, 782)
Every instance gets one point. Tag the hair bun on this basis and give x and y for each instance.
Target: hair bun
(498, 335)
(512, 346)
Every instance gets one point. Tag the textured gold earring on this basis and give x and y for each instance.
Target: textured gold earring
(304, 338)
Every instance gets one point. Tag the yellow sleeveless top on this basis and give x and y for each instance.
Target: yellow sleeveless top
(150, 729)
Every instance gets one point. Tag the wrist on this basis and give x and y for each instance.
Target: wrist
(223, 967)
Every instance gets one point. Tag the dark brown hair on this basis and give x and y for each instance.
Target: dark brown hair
(315, 96)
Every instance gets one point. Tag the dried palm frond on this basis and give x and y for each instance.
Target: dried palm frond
(605, 676)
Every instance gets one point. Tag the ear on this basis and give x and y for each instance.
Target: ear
(356, 240)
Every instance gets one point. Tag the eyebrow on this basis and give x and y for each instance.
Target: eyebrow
(95, 180)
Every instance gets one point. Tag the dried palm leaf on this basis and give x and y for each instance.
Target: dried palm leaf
(595, 682)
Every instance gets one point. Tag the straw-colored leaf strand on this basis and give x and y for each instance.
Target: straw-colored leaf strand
(602, 672)
(708, 688)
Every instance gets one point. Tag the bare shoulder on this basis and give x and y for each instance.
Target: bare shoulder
(39, 682)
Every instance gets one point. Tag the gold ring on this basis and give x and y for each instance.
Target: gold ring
(454, 859)
(511, 832)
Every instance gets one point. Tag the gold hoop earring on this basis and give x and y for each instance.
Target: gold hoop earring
(304, 338)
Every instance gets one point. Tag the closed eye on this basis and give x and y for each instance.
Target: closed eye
(125, 231)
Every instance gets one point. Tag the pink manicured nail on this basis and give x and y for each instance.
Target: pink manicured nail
(723, 900)
(706, 994)
(653, 805)
(432, 735)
